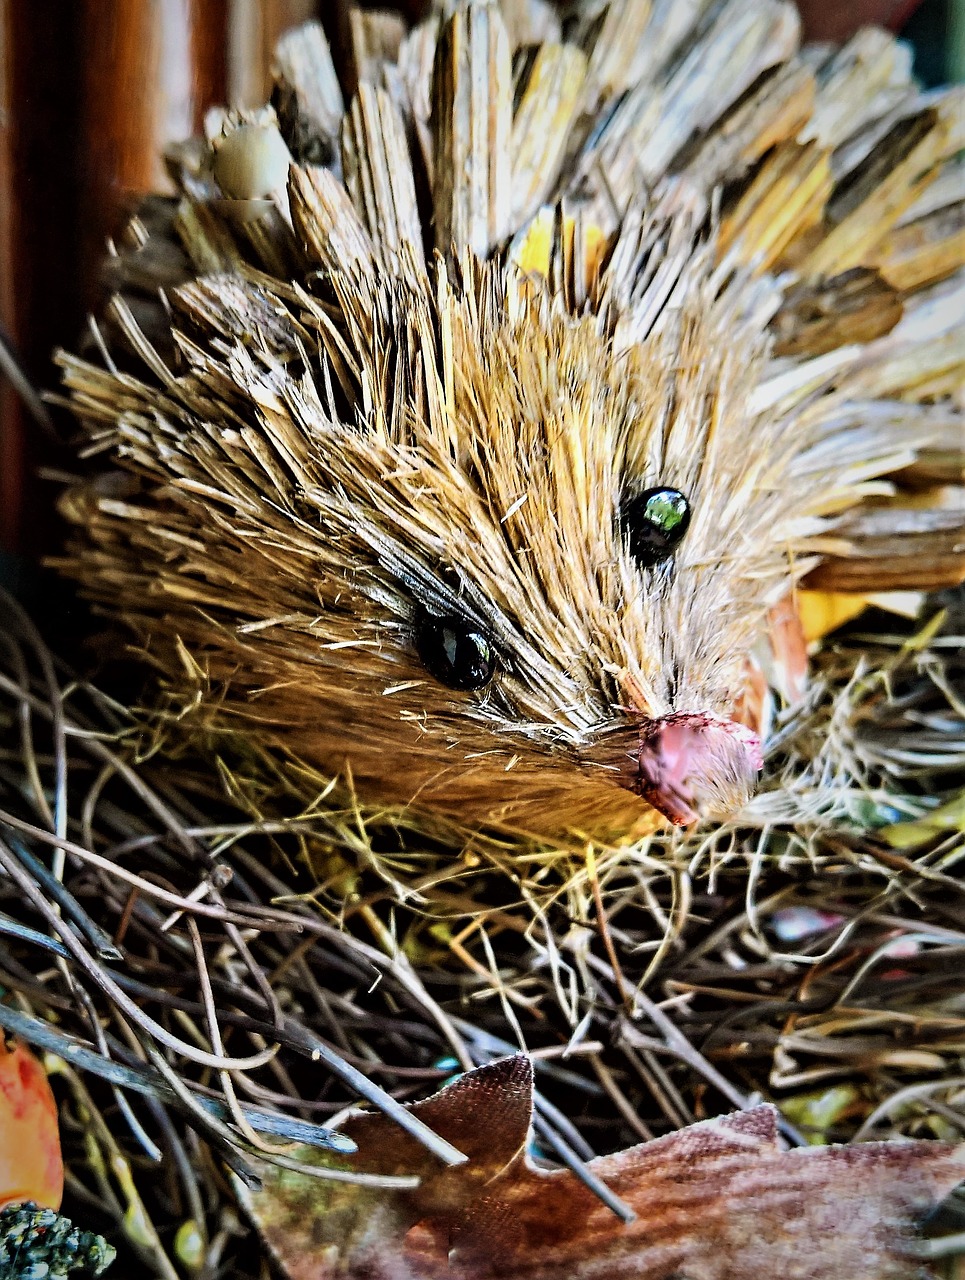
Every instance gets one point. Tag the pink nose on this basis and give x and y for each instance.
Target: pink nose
(695, 765)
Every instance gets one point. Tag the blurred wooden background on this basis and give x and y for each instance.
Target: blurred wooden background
(90, 92)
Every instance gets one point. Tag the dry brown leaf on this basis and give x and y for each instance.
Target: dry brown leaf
(719, 1200)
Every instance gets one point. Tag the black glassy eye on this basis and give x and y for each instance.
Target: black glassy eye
(456, 652)
(656, 521)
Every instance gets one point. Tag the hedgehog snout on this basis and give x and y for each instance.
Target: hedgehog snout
(694, 765)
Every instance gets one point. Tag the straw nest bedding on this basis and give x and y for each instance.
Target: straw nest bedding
(157, 940)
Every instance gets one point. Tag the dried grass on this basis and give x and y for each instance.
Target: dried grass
(205, 999)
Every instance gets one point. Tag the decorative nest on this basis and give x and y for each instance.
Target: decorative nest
(195, 986)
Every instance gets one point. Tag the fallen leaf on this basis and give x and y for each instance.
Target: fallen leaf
(822, 612)
(720, 1200)
(31, 1165)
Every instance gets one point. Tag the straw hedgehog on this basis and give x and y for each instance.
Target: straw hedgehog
(482, 424)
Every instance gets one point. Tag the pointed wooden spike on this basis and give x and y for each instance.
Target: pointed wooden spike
(310, 104)
(923, 358)
(378, 174)
(325, 220)
(775, 112)
(865, 206)
(819, 316)
(207, 241)
(471, 127)
(894, 548)
(376, 37)
(416, 57)
(744, 41)
(862, 81)
(785, 200)
(655, 127)
(920, 252)
(612, 34)
(670, 24)
(532, 244)
(531, 22)
(547, 104)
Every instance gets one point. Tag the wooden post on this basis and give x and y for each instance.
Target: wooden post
(150, 69)
(91, 92)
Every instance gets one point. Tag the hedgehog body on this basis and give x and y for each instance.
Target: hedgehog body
(422, 364)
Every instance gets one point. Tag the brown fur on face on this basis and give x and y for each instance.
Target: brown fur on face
(376, 524)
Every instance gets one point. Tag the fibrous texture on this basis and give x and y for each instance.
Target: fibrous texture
(417, 358)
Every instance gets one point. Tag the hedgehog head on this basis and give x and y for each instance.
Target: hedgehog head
(524, 637)
(519, 588)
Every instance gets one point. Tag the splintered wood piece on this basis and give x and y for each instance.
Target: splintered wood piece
(671, 22)
(271, 239)
(897, 549)
(773, 113)
(944, 191)
(611, 35)
(532, 245)
(207, 241)
(785, 200)
(378, 173)
(310, 103)
(937, 466)
(230, 307)
(923, 358)
(376, 38)
(864, 207)
(861, 148)
(586, 249)
(416, 56)
(921, 252)
(327, 224)
(531, 22)
(860, 82)
(551, 93)
(566, 247)
(658, 122)
(747, 39)
(869, 438)
(939, 459)
(472, 123)
(821, 315)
